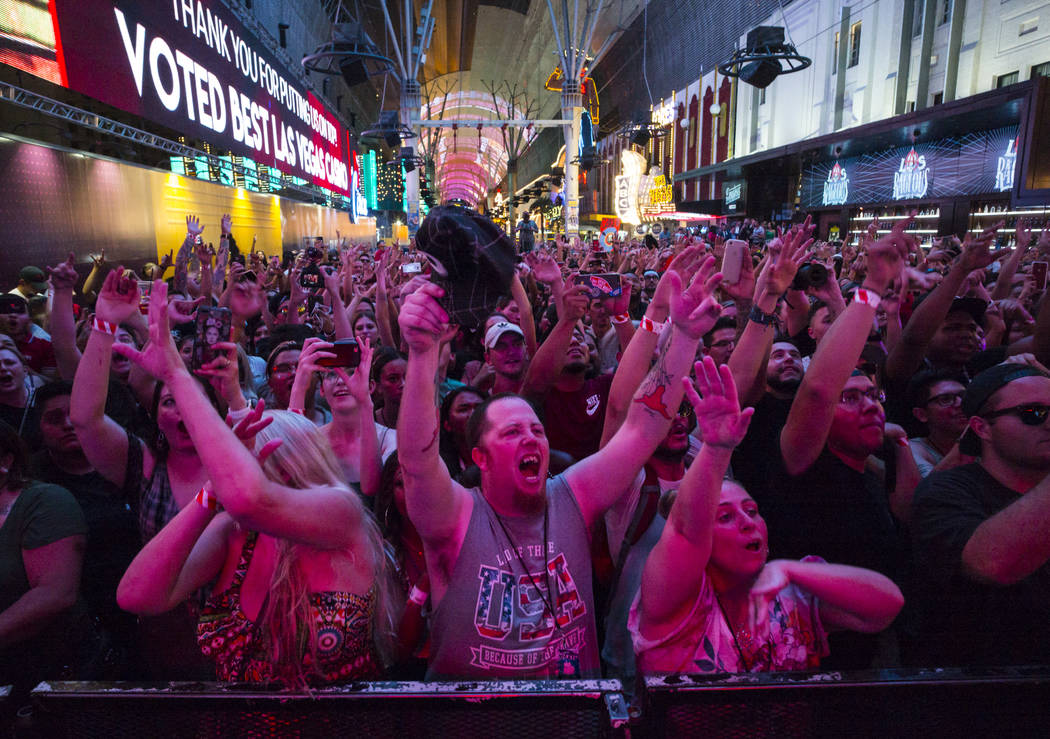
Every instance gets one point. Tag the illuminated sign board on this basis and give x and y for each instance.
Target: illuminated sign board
(664, 114)
(192, 66)
(912, 178)
(627, 185)
(660, 196)
(1004, 172)
(836, 186)
(974, 163)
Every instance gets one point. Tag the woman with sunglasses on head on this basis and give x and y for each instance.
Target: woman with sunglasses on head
(737, 612)
(303, 593)
(162, 474)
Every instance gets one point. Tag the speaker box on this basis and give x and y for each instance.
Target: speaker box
(760, 74)
(764, 36)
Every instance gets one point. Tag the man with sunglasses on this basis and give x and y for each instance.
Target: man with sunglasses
(982, 530)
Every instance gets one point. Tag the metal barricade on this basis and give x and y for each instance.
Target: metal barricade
(398, 710)
(1000, 702)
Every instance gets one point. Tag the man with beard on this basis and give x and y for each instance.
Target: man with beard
(982, 530)
(508, 561)
(505, 351)
(573, 404)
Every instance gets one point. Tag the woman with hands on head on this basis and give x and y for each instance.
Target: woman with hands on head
(734, 611)
(303, 592)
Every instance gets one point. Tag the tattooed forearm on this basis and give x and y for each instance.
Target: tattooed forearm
(651, 392)
(433, 441)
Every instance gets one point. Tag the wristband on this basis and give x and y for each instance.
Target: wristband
(648, 324)
(104, 327)
(206, 499)
(901, 442)
(297, 411)
(759, 316)
(622, 318)
(417, 596)
(866, 297)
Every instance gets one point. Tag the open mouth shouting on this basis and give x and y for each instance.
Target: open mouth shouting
(529, 466)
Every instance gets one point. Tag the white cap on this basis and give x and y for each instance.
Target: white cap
(498, 329)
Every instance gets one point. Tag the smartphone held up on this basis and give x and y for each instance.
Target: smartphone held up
(347, 354)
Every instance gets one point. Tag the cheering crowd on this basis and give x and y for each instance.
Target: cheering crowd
(733, 450)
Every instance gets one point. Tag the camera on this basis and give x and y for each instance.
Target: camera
(810, 275)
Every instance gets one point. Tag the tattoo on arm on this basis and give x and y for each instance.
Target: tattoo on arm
(651, 392)
(433, 440)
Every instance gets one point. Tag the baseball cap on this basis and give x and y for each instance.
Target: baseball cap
(983, 387)
(974, 306)
(497, 330)
(34, 277)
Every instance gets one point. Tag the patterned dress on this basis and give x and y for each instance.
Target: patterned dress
(237, 645)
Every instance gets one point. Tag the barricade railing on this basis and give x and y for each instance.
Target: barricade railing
(1000, 702)
(398, 710)
(973, 702)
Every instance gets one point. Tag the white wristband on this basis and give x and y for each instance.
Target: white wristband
(417, 596)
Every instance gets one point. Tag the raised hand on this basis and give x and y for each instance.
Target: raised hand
(159, 357)
(64, 275)
(182, 311)
(251, 425)
(888, 256)
(99, 260)
(720, 422)
(165, 262)
(222, 372)
(694, 309)
(226, 225)
(975, 249)
(193, 227)
(119, 298)
(544, 267)
(685, 266)
(422, 319)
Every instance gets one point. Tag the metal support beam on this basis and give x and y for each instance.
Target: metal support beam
(78, 116)
(487, 123)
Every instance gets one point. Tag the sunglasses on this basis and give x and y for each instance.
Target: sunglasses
(1031, 414)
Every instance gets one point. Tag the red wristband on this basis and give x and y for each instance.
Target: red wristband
(206, 499)
(105, 327)
(648, 324)
(867, 297)
(622, 318)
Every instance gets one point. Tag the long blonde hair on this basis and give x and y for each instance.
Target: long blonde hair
(305, 460)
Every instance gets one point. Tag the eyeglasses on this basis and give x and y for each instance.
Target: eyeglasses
(946, 400)
(685, 411)
(286, 368)
(853, 398)
(1031, 414)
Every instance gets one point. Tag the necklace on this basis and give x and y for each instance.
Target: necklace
(743, 633)
(547, 601)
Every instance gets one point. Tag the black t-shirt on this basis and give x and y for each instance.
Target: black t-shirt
(833, 511)
(574, 419)
(965, 622)
(113, 535)
(754, 459)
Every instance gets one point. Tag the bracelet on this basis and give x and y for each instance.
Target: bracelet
(622, 318)
(206, 499)
(759, 316)
(297, 411)
(866, 297)
(105, 327)
(648, 324)
(417, 596)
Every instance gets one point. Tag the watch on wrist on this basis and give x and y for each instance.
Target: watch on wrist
(759, 316)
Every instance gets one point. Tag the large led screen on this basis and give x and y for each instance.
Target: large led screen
(976, 163)
(187, 64)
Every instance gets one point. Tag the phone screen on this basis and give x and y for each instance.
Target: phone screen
(347, 354)
(1039, 275)
(212, 326)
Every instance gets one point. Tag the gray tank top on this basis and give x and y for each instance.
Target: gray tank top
(494, 621)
